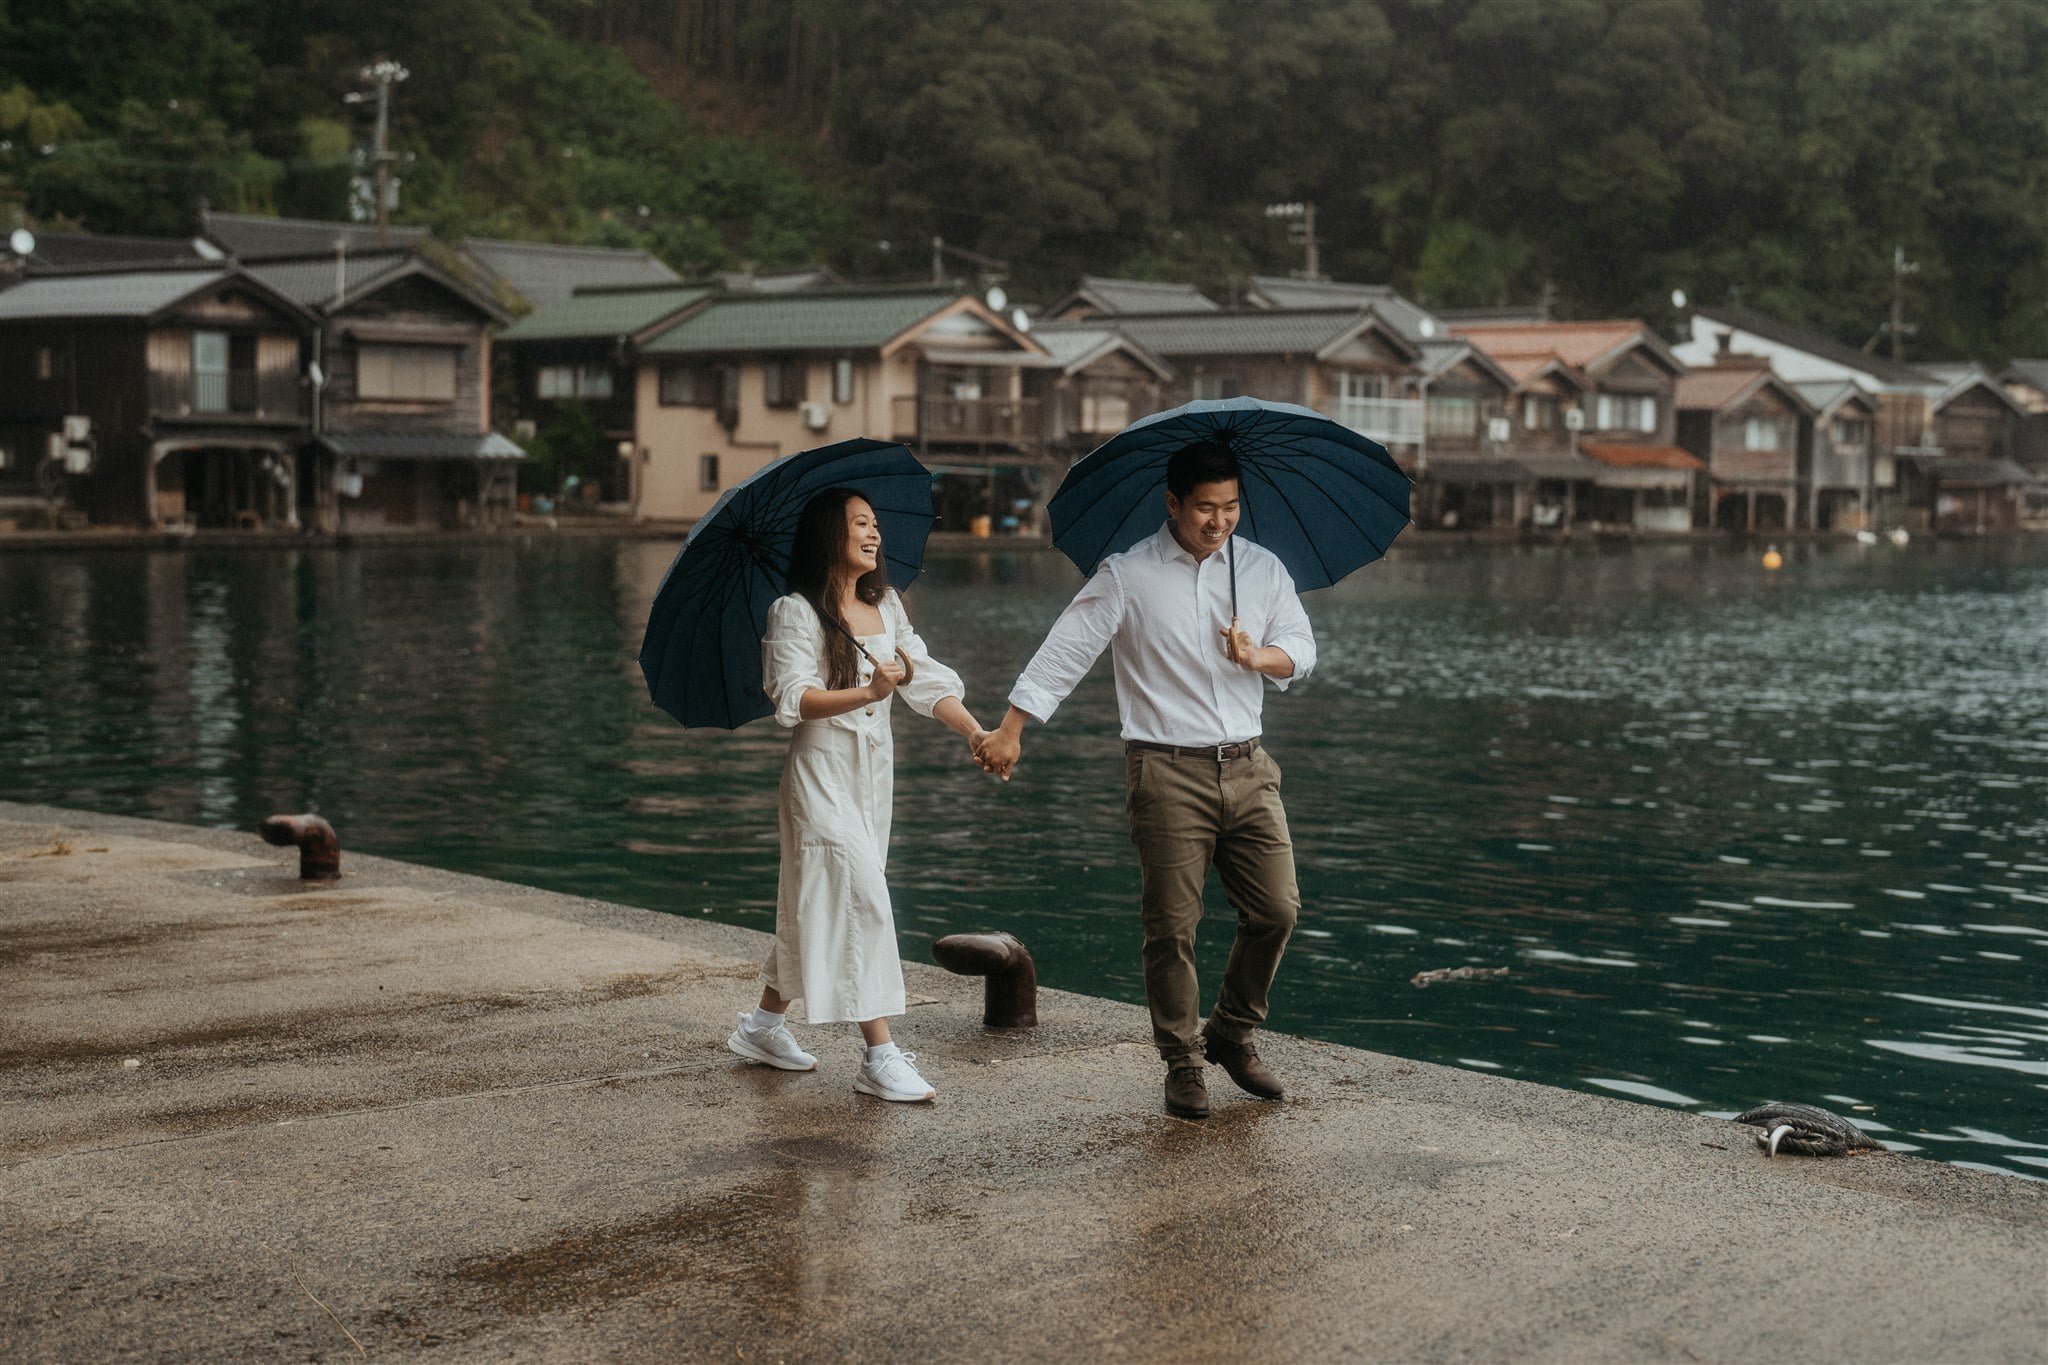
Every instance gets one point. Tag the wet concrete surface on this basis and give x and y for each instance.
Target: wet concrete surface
(415, 1114)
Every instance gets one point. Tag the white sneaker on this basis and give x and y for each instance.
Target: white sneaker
(894, 1078)
(774, 1048)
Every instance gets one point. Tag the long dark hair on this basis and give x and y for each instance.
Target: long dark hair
(814, 557)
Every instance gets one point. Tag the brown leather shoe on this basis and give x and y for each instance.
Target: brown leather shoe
(1187, 1093)
(1241, 1060)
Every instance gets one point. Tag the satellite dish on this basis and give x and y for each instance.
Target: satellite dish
(1428, 327)
(1678, 298)
(23, 241)
(1020, 319)
(996, 299)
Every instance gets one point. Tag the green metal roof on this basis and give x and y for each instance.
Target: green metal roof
(603, 313)
(799, 322)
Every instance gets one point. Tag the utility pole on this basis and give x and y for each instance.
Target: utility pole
(386, 73)
(1302, 225)
(1901, 267)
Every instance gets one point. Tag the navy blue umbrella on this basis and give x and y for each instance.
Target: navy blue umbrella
(1316, 493)
(702, 652)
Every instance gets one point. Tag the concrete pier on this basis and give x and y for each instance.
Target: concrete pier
(412, 1113)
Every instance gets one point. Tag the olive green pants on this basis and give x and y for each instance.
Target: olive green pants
(1186, 814)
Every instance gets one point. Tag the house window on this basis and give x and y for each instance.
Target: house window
(1539, 412)
(572, 381)
(209, 372)
(415, 374)
(1215, 386)
(1625, 412)
(689, 386)
(1451, 417)
(1760, 433)
(1852, 433)
(707, 473)
(46, 363)
(782, 383)
(842, 381)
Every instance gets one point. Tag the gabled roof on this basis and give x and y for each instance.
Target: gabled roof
(1824, 396)
(825, 320)
(136, 295)
(1283, 291)
(1441, 356)
(1076, 346)
(1589, 346)
(62, 251)
(311, 281)
(1114, 296)
(1526, 370)
(1813, 343)
(253, 237)
(1255, 332)
(606, 314)
(1972, 377)
(2030, 372)
(545, 274)
(1733, 382)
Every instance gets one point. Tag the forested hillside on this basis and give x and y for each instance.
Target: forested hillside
(1469, 151)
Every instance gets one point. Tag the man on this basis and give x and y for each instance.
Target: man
(1200, 787)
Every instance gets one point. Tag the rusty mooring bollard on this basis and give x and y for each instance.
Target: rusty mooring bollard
(1012, 998)
(319, 848)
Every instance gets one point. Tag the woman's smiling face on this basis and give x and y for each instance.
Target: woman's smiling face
(863, 538)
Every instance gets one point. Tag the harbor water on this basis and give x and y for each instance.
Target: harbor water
(1734, 835)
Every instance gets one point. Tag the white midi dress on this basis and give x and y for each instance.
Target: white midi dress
(835, 932)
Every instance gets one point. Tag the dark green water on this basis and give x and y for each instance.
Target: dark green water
(1739, 836)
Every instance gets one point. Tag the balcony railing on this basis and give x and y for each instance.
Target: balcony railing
(275, 396)
(1390, 421)
(931, 417)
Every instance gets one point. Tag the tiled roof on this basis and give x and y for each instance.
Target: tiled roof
(126, 294)
(311, 281)
(604, 313)
(1406, 317)
(1070, 345)
(57, 251)
(486, 445)
(250, 237)
(1825, 395)
(1813, 343)
(1576, 343)
(1523, 368)
(819, 321)
(1624, 455)
(2034, 372)
(1137, 296)
(1978, 473)
(1479, 469)
(1717, 386)
(544, 274)
(1263, 332)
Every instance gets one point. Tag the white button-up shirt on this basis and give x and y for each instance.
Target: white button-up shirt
(1162, 613)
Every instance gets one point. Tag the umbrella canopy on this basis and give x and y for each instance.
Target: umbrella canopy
(702, 651)
(1323, 498)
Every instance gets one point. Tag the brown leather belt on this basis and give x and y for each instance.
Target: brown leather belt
(1221, 753)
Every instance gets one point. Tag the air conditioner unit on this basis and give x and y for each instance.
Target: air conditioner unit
(525, 429)
(1574, 419)
(1498, 429)
(816, 416)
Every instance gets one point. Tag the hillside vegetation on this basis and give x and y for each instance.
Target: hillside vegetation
(1602, 152)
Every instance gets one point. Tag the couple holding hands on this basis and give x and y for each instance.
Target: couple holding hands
(1191, 667)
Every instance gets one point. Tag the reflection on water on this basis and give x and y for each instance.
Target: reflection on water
(1738, 836)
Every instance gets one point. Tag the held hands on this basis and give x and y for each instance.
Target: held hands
(997, 751)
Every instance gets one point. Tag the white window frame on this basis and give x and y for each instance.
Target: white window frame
(842, 381)
(1540, 412)
(1761, 433)
(210, 365)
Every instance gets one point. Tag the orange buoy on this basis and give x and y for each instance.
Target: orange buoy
(1773, 561)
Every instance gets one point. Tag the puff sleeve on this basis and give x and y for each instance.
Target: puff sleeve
(931, 682)
(792, 657)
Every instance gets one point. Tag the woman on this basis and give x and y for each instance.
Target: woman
(835, 935)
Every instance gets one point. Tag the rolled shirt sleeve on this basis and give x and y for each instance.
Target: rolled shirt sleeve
(1071, 647)
(1291, 630)
(930, 682)
(792, 657)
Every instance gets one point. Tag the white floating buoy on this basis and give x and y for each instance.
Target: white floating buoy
(1898, 535)
(1866, 537)
(131, 1063)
